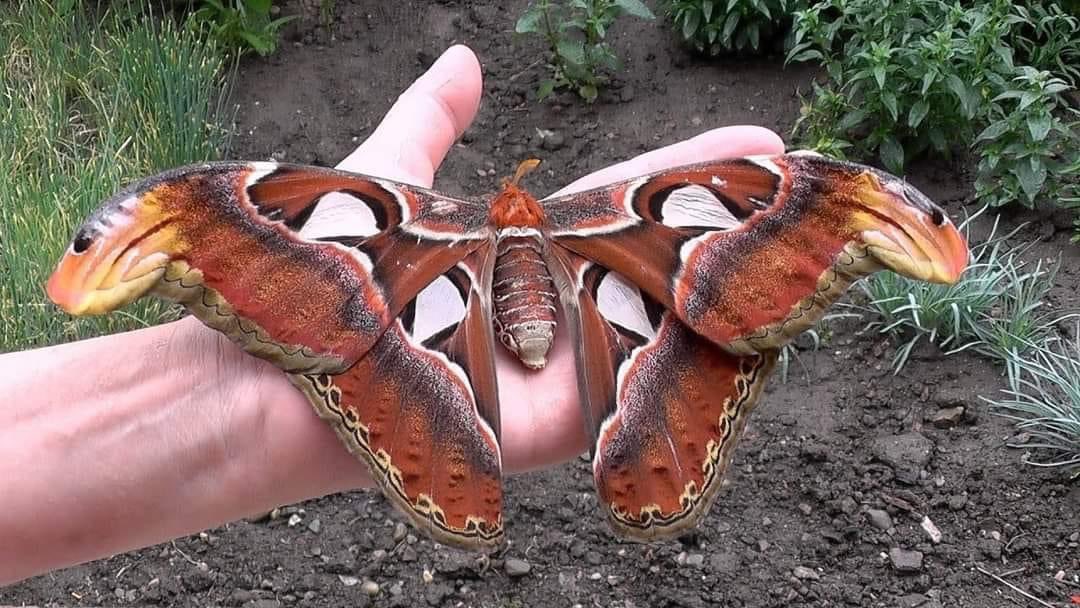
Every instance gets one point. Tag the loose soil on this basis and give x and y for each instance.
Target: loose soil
(839, 468)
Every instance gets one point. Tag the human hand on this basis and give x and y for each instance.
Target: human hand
(541, 420)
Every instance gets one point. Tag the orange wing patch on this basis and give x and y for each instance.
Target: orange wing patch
(411, 417)
(682, 405)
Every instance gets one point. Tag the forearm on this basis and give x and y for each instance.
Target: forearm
(85, 471)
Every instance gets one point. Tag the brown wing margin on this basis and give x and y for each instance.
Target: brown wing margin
(666, 410)
(425, 419)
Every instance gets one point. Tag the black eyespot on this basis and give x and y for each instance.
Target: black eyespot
(937, 216)
(82, 241)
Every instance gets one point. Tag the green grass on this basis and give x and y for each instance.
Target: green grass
(87, 104)
(996, 308)
(1044, 400)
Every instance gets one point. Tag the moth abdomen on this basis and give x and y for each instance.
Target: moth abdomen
(524, 296)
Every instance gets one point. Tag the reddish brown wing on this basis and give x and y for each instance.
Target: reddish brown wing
(225, 240)
(748, 252)
(421, 409)
(665, 406)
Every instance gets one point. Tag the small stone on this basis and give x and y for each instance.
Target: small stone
(241, 596)
(904, 560)
(371, 588)
(295, 519)
(879, 518)
(696, 121)
(516, 568)
(726, 563)
(805, 509)
(912, 600)
(931, 529)
(803, 573)
(990, 548)
(400, 532)
(695, 560)
(763, 545)
(957, 502)
(436, 595)
(396, 589)
(848, 505)
(348, 581)
(907, 454)
(552, 141)
(427, 576)
(948, 417)
(315, 525)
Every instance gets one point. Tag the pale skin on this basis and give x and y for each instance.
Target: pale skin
(121, 442)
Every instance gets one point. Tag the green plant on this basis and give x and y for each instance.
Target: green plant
(1028, 151)
(996, 308)
(575, 32)
(907, 78)
(1044, 399)
(911, 73)
(242, 24)
(1046, 37)
(718, 26)
(87, 106)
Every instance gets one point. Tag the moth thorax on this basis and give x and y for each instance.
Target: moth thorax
(524, 299)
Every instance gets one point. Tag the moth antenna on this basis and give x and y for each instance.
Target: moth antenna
(524, 168)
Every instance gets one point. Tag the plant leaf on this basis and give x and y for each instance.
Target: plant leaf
(635, 8)
(690, 24)
(889, 100)
(994, 131)
(917, 113)
(1039, 125)
(529, 22)
(573, 51)
(892, 154)
(546, 88)
(1032, 175)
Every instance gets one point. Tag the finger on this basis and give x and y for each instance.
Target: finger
(725, 142)
(424, 122)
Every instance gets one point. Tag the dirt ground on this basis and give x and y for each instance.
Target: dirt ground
(826, 501)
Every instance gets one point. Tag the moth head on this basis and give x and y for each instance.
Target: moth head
(904, 230)
(117, 255)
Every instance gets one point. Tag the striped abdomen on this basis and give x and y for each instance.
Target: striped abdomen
(524, 299)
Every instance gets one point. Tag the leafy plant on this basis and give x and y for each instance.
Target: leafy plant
(575, 32)
(87, 106)
(1026, 143)
(907, 78)
(996, 308)
(718, 26)
(1044, 399)
(1046, 37)
(911, 72)
(242, 24)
